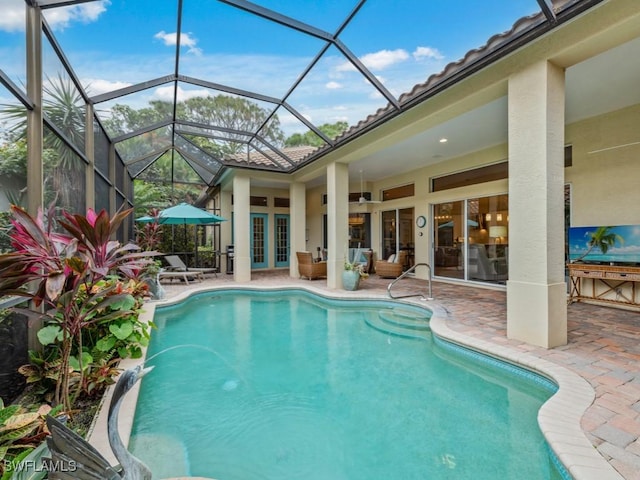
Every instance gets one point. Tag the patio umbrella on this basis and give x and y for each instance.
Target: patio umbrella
(450, 224)
(183, 214)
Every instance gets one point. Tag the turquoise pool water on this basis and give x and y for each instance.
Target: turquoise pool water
(287, 385)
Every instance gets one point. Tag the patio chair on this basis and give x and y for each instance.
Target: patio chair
(185, 276)
(310, 269)
(392, 267)
(177, 265)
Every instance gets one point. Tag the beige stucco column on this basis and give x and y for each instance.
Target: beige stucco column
(337, 221)
(226, 227)
(241, 233)
(536, 290)
(298, 224)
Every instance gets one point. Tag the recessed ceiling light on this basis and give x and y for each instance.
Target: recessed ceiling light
(443, 140)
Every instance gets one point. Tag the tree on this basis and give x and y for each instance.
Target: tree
(231, 113)
(311, 139)
(603, 238)
(64, 170)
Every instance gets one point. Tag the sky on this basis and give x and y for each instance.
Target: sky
(115, 43)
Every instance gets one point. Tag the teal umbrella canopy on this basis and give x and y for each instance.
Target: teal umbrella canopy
(183, 214)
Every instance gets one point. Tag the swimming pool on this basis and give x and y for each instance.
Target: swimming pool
(288, 385)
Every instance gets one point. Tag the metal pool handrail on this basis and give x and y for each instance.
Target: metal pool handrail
(430, 297)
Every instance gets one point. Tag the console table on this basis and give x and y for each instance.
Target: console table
(606, 284)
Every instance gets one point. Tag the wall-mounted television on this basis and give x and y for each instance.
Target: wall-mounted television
(624, 244)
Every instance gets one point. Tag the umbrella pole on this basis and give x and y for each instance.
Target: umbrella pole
(195, 241)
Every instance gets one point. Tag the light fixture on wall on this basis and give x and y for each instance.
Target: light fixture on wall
(487, 217)
(356, 219)
(499, 217)
(498, 232)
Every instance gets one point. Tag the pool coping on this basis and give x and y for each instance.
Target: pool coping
(558, 418)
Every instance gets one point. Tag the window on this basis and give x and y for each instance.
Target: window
(474, 176)
(257, 201)
(281, 202)
(353, 197)
(398, 192)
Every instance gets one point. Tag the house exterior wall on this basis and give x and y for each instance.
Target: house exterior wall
(604, 184)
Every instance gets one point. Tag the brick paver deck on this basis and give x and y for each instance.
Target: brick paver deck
(603, 348)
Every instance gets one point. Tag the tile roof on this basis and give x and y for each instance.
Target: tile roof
(523, 31)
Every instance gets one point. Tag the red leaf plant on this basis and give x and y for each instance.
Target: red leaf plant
(61, 272)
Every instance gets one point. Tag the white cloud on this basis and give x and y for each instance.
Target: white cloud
(13, 14)
(333, 85)
(384, 58)
(377, 60)
(96, 86)
(186, 40)
(60, 18)
(166, 93)
(421, 53)
(12, 18)
(627, 249)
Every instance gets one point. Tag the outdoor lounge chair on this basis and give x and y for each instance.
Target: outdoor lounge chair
(177, 265)
(392, 267)
(310, 269)
(184, 276)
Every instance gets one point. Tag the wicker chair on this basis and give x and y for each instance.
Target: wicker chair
(310, 269)
(386, 269)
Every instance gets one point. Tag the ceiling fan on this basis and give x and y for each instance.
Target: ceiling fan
(363, 200)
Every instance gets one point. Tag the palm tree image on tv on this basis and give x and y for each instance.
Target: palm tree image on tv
(602, 238)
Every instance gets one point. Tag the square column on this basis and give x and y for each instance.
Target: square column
(337, 222)
(241, 233)
(226, 227)
(298, 224)
(536, 290)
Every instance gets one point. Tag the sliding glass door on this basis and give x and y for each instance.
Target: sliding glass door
(397, 233)
(471, 239)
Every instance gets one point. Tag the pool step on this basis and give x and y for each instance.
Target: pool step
(405, 319)
(165, 455)
(375, 321)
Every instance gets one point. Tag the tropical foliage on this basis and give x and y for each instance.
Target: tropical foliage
(64, 170)
(69, 274)
(331, 130)
(21, 431)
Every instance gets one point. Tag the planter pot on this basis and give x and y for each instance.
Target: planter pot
(350, 279)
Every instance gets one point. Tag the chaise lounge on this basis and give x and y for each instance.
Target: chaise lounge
(310, 269)
(184, 276)
(177, 265)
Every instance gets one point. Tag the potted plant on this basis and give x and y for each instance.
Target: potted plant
(353, 272)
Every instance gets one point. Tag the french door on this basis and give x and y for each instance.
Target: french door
(282, 242)
(259, 240)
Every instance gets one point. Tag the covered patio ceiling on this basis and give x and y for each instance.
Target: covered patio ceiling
(170, 76)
